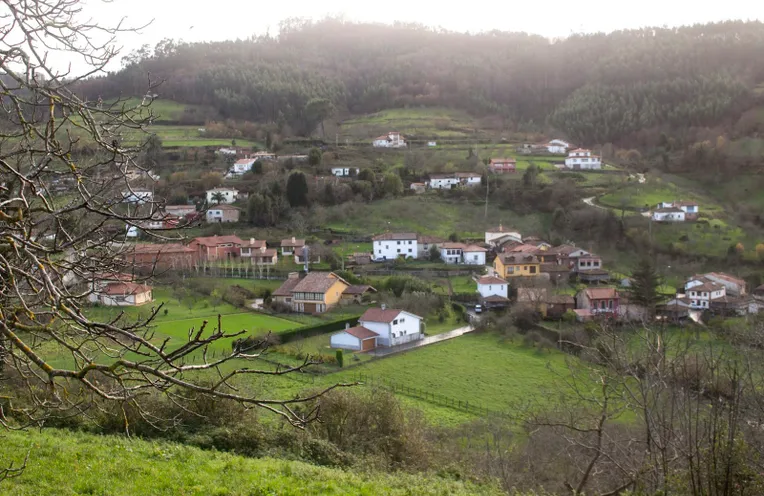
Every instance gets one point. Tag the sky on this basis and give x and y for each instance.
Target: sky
(231, 19)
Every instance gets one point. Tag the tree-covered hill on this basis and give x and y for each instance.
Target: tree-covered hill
(595, 88)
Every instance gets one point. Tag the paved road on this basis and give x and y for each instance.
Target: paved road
(590, 201)
(382, 352)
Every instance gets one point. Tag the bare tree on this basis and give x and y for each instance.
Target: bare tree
(65, 201)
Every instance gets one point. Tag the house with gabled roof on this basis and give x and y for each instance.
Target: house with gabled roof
(598, 301)
(389, 246)
(494, 288)
(393, 139)
(393, 327)
(316, 292)
(288, 246)
(216, 247)
(502, 165)
(494, 234)
(581, 158)
(507, 265)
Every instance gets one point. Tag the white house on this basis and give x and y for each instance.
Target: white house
(431, 143)
(392, 139)
(223, 213)
(492, 286)
(393, 327)
(701, 292)
(442, 181)
(495, 233)
(118, 290)
(468, 178)
(581, 158)
(345, 171)
(227, 151)
(389, 246)
(474, 255)
(460, 253)
(243, 165)
(689, 208)
(671, 214)
(558, 146)
(356, 338)
(138, 196)
(227, 195)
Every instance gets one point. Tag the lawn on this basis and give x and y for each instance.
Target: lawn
(68, 463)
(425, 122)
(429, 215)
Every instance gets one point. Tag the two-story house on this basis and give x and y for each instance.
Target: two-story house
(581, 158)
(598, 301)
(389, 246)
(213, 248)
(492, 286)
(317, 292)
(690, 208)
(222, 195)
(242, 166)
(394, 327)
(502, 165)
(507, 265)
(442, 181)
(701, 292)
(258, 253)
(288, 246)
(558, 146)
(222, 213)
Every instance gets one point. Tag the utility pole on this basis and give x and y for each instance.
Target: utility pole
(487, 187)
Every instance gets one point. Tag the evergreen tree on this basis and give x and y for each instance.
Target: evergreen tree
(314, 157)
(297, 189)
(644, 285)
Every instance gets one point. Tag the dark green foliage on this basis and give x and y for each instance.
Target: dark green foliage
(434, 254)
(392, 185)
(314, 157)
(402, 284)
(307, 332)
(340, 358)
(297, 189)
(645, 283)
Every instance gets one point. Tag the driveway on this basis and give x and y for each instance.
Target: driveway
(383, 352)
(590, 201)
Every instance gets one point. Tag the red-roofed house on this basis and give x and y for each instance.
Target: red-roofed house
(394, 327)
(502, 165)
(393, 139)
(118, 290)
(149, 256)
(217, 247)
(598, 300)
(492, 286)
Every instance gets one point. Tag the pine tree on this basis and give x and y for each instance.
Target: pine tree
(297, 189)
(644, 286)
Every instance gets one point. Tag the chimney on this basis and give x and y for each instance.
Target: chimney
(293, 275)
(347, 325)
(252, 241)
(293, 240)
(384, 306)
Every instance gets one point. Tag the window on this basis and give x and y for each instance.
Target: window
(525, 267)
(533, 270)
(395, 322)
(398, 242)
(409, 250)
(399, 250)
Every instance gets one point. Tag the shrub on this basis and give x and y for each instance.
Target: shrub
(340, 358)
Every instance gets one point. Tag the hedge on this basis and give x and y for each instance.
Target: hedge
(309, 332)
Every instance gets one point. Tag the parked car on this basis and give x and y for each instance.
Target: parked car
(478, 308)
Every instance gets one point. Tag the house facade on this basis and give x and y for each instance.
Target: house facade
(288, 246)
(392, 139)
(425, 243)
(212, 248)
(468, 178)
(702, 292)
(226, 195)
(508, 265)
(242, 166)
(222, 213)
(138, 196)
(258, 253)
(582, 158)
(558, 146)
(668, 214)
(147, 257)
(598, 301)
(316, 292)
(390, 246)
(733, 285)
(442, 181)
(502, 165)
(356, 338)
(121, 294)
(690, 208)
(492, 286)
(345, 171)
(588, 261)
(394, 327)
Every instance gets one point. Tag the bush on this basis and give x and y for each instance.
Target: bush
(340, 358)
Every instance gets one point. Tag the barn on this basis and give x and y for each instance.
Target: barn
(355, 338)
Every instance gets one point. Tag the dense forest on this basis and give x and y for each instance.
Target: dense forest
(595, 88)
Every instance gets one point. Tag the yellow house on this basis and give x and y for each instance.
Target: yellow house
(317, 292)
(516, 265)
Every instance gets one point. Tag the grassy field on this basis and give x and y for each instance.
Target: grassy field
(427, 215)
(428, 122)
(66, 463)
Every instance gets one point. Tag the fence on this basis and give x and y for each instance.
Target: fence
(242, 272)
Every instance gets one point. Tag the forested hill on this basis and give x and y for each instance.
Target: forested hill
(595, 88)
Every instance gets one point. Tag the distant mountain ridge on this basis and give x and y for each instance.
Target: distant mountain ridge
(595, 88)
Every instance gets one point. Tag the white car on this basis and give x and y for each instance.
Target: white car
(478, 308)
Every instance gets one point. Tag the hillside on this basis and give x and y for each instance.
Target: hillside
(65, 463)
(625, 87)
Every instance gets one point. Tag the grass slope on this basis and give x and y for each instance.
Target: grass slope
(65, 463)
(430, 122)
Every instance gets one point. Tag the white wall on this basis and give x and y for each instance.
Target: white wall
(583, 162)
(487, 290)
(443, 183)
(490, 236)
(405, 331)
(392, 249)
(474, 257)
(668, 216)
(451, 255)
(345, 341)
(229, 196)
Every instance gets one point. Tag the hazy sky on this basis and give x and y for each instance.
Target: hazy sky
(230, 19)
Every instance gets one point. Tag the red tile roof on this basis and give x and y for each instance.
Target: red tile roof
(474, 248)
(126, 288)
(491, 280)
(601, 293)
(394, 236)
(286, 288)
(361, 332)
(317, 282)
(153, 248)
(359, 289)
(212, 241)
(292, 242)
(378, 315)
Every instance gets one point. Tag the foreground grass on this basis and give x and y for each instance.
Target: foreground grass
(65, 463)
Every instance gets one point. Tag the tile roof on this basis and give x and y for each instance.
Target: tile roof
(253, 243)
(601, 293)
(218, 240)
(286, 288)
(522, 248)
(453, 246)
(379, 315)
(292, 242)
(728, 278)
(561, 300)
(125, 288)
(317, 282)
(224, 206)
(474, 248)
(155, 248)
(502, 229)
(361, 332)
(669, 210)
(429, 239)
(394, 236)
(495, 299)
(359, 289)
(503, 160)
(517, 258)
(491, 280)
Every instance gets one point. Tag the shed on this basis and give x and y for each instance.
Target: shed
(356, 338)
